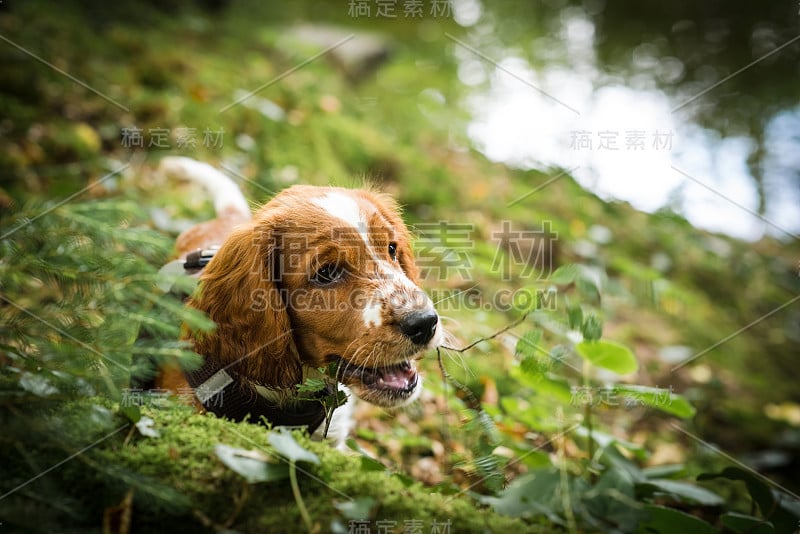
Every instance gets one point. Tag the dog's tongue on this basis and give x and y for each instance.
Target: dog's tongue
(396, 377)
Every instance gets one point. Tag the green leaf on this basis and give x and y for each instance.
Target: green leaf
(617, 480)
(616, 461)
(131, 412)
(357, 509)
(777, 507)
(685, 491)
(371, 464)
(311, 385)
(746, 524)
(405, 480)
(612, 501)
(527, 344)
(252, 465)
(368, 463)
(533, 494)
(587, 287)
(535, 367)
(608, 355)
(605, 440)
(532, 363)
(659, 398)
(575, 317)
(559, 353)
(564, 275)
(664, 471)
(592, 328)
(665, 520)
(284, 444)
(545, 384)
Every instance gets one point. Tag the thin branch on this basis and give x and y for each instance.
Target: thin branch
(487, 338)
(471, 400)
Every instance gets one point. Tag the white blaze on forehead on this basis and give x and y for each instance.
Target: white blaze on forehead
(372, 314)
(346, 209)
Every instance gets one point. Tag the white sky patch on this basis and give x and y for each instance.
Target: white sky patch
(518, 125)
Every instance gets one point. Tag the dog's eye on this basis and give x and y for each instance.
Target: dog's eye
(328, 274)
(393, 251)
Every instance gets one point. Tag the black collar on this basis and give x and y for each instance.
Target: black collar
(228, 395)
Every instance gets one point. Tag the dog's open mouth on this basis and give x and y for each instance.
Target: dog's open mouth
(399, 378)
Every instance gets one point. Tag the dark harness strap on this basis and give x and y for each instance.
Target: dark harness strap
(198, 259)
(228, 395)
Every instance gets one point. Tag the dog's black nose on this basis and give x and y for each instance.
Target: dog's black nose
(419, 326)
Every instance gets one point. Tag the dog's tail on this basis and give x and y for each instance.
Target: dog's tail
(228, 198)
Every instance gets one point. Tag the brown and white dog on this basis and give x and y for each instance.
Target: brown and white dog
(318, 275)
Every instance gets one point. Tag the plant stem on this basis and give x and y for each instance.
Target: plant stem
(587, 421)
(566, 496)
(298, 498)
(445, 431)
(328, 419)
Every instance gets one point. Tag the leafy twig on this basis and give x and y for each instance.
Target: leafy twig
(329, 402)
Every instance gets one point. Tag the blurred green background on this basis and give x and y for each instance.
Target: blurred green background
(487, 122)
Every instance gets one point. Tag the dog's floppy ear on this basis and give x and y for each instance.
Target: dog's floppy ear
(240, 292)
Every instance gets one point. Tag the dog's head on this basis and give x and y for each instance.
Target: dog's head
(321, 275)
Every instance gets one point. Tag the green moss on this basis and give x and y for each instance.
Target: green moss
(176, 478)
